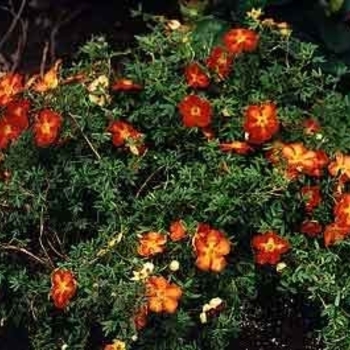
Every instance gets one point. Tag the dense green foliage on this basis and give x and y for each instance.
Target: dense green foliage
(81, 204)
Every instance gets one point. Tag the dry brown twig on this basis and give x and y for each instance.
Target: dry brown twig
(93, 149)
(24, 251)
(14, 22)
(22, 40)
(60, 23)
(44, 58)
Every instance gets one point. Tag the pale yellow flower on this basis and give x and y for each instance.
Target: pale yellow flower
(281, 266)
(255, 14)
(98, 91)
(144, 273)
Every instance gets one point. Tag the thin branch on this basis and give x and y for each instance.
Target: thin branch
(57, 27)
(148, 180)
(41, 232)
(24, 251)
(13, 25)
(44, 58)
(55, 250)
(22, 42)
(93, 149)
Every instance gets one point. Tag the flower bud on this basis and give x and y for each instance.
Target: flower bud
(174, 265)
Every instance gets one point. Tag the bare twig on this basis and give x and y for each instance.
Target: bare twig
(44, 58)
(22, 41)
(13, 25)
(93, 149)
(55, 250)
(24, 251)
(148, 180)
(4, 63)
(57, 27)
(41, 232)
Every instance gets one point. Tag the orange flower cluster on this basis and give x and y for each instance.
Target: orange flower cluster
(162, 296)
(123, 134)
(211, 247)
(153, 243)
(195, 110)
(46, 127)
(15, 119)
(63, 287)
(296, 159)
(269, 247)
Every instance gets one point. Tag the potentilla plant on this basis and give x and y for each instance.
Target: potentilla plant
(143, 206)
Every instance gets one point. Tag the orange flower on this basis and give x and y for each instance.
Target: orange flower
(342, 210)
(311, 126)
(269, 248)
(320, 162)
(236, 147)
(298, 157)
(124, 84)
(122, 132)
(220, 62)
(211, 246)
(140, 317)
(195, 111)
(48, 81)
(10, 85)
(16, 114)
(311, 196)
(208, 133)
(151, 243)
(162, 296)
(335, 232)
(8, 133)
(177, 231)
(116, 345)
(125, 134)
(340, 166)
(241, 40)
(63, 287)
(261, 122)
(195, 76)
(311, 228)
(46, 127)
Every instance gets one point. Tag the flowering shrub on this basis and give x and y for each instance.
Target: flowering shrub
(152, 202)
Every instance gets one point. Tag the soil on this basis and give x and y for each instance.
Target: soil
(273, 321)
(277, 321)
